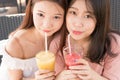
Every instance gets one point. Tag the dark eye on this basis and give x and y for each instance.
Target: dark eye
(87, 16)
(40, 14)
(56, 17)
(73, 12)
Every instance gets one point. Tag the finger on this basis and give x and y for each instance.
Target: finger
(66, 72)
(50, 78)
(75, 79)
(79, 67)
(82, 61)
(67, 75)
(82, 77)
(43, 71)
(80, 72)
(47, 78)
(45, 75)
(70, 77)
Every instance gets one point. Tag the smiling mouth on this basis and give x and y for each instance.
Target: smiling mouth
(77, 32)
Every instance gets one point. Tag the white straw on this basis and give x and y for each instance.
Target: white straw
(46, 42)
(69, 46)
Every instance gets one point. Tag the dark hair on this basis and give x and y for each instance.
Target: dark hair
(101, 37)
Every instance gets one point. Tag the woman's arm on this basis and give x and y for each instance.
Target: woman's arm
(18, 75)
(15, 74)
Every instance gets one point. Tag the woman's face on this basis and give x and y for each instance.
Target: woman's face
(48, 17)
(80, 21)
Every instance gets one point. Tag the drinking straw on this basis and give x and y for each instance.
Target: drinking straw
(69, 46)
(46, 42)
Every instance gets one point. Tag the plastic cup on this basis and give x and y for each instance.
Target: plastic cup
(45, 60)
(73, 57)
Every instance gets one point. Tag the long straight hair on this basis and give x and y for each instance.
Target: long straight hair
(101, 37)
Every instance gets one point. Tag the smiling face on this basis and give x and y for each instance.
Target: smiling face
(48, 17)
(80, 21)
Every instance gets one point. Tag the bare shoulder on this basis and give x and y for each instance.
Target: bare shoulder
(14, 47)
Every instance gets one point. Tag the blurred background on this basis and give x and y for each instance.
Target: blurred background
(11, 15)
(12, 6)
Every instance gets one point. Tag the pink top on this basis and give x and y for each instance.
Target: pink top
(109, 68)
(54, 46)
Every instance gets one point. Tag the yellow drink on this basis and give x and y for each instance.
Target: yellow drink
(45, 60)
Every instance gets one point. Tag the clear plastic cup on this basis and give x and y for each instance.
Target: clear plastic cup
(71, 58)
(45, 60)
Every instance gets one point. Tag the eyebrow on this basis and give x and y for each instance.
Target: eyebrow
(41, 11)
(44, 12)
(74, 8)
(78, 9)
(89, 12)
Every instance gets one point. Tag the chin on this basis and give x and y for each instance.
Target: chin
(76, 37)
(49, 34)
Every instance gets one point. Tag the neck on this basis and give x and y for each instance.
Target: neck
(80, 42)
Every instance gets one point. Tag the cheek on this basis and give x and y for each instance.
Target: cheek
(69, 20)
(37, 21)
(58, 24)
(34, 17)
(90, 26)
(69, 24)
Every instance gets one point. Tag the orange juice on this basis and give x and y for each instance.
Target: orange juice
(45, 60)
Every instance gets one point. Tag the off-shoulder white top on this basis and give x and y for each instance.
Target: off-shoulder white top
(27, 65)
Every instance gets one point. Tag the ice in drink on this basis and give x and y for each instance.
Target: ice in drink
(71, 59)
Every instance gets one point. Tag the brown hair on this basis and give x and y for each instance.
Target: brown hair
(27, 22)
(28, 18)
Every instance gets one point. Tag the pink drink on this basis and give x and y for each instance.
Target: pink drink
(70, 59)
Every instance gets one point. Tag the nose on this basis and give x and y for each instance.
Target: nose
(78, 22)
(47, 23)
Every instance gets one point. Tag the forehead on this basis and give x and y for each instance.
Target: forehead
(83, 5)
(47, 6)
(80, 4)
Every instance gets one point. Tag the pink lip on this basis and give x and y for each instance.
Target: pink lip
(77, 32)
(46, 30)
